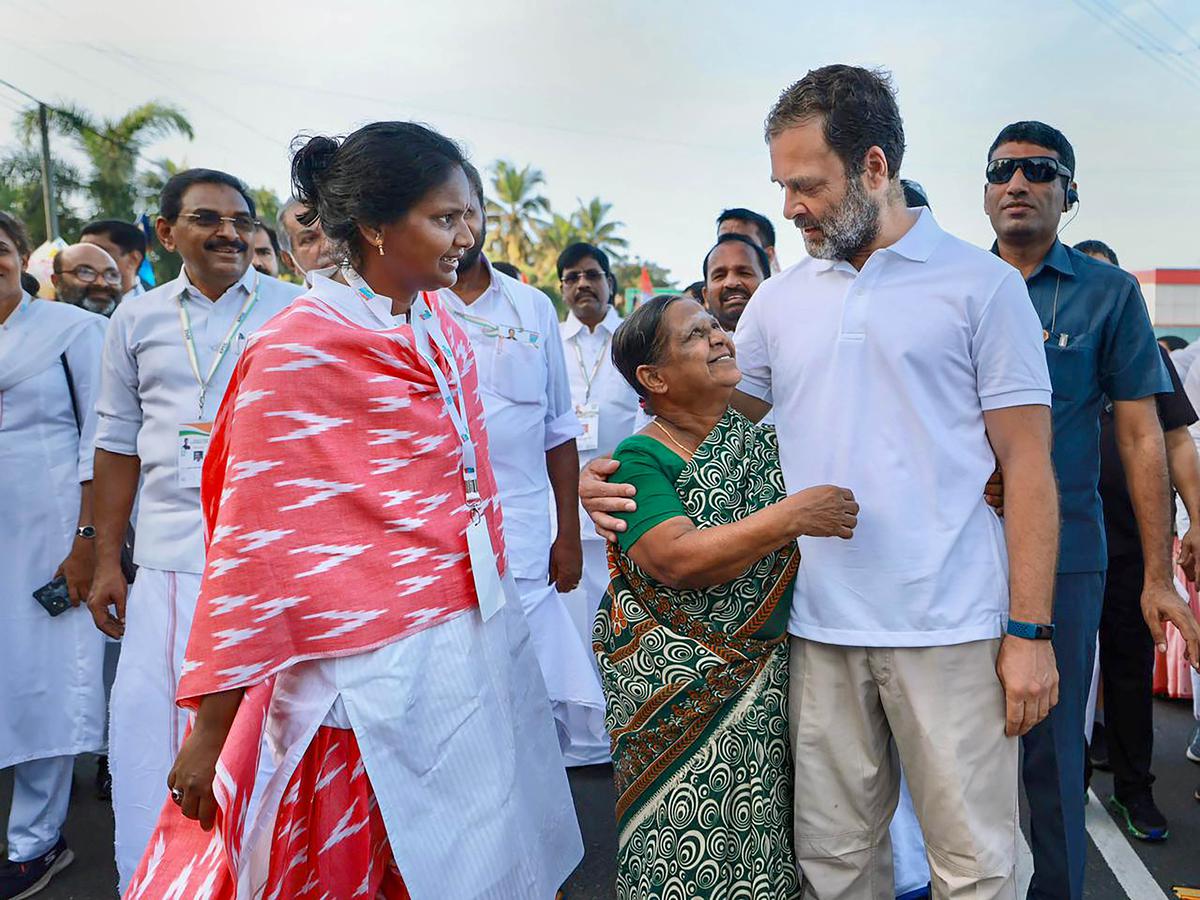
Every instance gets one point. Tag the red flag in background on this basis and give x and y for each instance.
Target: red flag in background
(645, 287)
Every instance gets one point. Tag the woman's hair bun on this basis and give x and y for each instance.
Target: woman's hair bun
(310, 162)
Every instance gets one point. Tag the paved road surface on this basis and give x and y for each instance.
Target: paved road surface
(1134, 864)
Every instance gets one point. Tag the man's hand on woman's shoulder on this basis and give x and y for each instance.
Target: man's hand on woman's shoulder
(600, 498)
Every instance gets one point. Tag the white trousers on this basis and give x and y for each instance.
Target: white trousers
(41, 794)
(145, 726)
(569, 670)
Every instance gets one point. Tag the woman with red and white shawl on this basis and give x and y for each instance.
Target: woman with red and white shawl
(353, 608)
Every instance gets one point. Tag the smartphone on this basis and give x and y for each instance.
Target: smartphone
(54, 596)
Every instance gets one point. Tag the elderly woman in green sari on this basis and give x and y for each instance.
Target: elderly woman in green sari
(691, 637)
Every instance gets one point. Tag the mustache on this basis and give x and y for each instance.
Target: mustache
(213, 244)
(731, 293)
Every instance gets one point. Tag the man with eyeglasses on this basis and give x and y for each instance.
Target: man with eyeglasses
(1098, 343)
(86, 276)
(126, 244)
(607, 408)
(167, 361)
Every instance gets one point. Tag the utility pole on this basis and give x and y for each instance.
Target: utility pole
(47, 176)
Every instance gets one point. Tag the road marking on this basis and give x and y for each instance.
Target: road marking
(1122, 859)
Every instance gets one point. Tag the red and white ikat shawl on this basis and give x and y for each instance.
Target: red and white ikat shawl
(335, 515)
(334, 501)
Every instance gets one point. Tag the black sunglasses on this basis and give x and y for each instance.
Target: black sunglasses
(1036, 169)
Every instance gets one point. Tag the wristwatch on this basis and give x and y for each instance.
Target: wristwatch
(86, 531)
(1032, 631)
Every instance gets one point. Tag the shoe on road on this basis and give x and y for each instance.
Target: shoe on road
(1193, 750)
(19, 880)
(103, 779)
(1141, 818)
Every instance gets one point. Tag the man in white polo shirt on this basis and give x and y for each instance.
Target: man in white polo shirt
(167, 361)
(902, 363)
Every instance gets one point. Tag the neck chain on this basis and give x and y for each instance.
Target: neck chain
(670, 438)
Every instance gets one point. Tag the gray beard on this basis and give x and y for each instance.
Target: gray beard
(101, 307)
(849, 228)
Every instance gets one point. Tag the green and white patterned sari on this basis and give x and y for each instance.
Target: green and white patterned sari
(696, 687)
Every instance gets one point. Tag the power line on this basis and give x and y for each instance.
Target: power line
(391, 102)
(1174, 23)
(70, 116)
(129, 60)
(1119, 26)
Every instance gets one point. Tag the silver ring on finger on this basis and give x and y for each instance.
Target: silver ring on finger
(177, 796)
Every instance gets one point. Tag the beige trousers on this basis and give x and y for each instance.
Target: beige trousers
(857, 714)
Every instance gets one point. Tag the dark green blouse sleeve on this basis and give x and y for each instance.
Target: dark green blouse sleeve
(653, 470)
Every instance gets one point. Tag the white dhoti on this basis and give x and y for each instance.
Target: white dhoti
(457, 742)
(146, 728)
(569, 669)
(589, 741)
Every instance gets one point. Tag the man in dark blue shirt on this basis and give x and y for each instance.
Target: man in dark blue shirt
(1099, 342)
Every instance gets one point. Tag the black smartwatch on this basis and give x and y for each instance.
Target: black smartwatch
(1032, 631)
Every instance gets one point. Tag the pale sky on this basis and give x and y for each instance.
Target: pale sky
(655, 105)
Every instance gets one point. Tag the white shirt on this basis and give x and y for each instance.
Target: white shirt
(136, 291)
(526, 403)
(595, 380)
(148, 389)
(880, 379)
(1184, 358)
(53, 704)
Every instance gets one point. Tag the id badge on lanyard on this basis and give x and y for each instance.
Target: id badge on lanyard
(428, 333)
(192, 446)
(588, 415)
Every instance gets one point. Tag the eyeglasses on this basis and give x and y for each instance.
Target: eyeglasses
(594, 275)
(211, 221)
(87, 274)
(1036, 169)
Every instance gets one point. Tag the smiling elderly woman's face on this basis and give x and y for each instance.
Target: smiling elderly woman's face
(697, 356)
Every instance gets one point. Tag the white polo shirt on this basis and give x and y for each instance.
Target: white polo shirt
(148, 389)
(880, 379)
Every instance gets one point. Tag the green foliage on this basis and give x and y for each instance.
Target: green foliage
(524, 230)
(112, 147)
(266, 205)
(21, 193)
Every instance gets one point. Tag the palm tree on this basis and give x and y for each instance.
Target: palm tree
(553, 238)
(514, 211)
(113, 147)
(152, 180)
(594, 226)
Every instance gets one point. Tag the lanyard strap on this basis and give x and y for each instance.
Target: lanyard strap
(426, 331)
(189, 340)
(490, 328)
(590, 379)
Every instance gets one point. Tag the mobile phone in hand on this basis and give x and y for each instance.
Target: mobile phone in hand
(54, 596)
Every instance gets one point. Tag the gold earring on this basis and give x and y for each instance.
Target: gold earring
(380, 245)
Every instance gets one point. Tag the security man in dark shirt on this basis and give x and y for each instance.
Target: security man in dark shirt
(1126, 648)
(1099, 342)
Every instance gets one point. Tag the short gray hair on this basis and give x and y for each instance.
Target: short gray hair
(285, 238)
